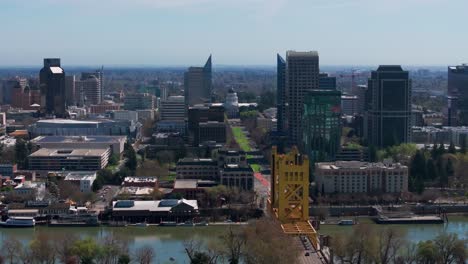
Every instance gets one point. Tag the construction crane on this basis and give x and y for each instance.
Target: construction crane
(354, 73)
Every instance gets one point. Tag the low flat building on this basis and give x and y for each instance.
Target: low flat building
(195, 168)
(116, 143)
(151, 182)
(242, 177)
(361, 177)
(231, 156)
(192, 188)
(154, 211)
(34, 190)
(69, 127)
(84, 180)
(69, 159)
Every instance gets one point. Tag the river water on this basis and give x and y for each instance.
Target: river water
(168, 241)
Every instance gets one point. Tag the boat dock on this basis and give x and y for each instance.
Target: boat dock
(410, 220)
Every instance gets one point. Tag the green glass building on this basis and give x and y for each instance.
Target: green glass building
(321, 123)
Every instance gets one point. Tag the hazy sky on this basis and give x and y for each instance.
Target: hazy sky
(236, 32)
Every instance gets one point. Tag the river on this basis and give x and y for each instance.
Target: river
(168, 241)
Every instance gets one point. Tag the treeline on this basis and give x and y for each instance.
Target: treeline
(368, 245)
(260, 242)
(434, 167)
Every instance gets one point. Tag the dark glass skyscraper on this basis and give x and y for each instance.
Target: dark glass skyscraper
(281, 92)
(321, 123)
(458, 94)
(198, 84)
(388, 107)
(52, 85)
(327, 82)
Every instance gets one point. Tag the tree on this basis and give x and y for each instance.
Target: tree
(130, 155)
(87, 250)
(198, 255)
(450, 249)
(452, 149)
(235, 244)
(417, 172)
(42, 249)
(426, 252)
(123, 259)
(434, 151)
(144, 255)
(372, 153)
(114, 159)
(10, 247)
(432, 171)
(21, 153)
(463, 145)
(390, 243)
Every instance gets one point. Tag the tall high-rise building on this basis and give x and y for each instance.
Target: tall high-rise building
(281, 93)
(139, 101)
(327, 82)
(7, 88)
(99, 74)
(198, 85)
(322, 124)
(89, 89)
(52, 86)
(388, 107)
(173, 109)
(301, 74)
(72, 96)
(458, 94)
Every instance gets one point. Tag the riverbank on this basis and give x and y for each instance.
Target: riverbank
(413, 232)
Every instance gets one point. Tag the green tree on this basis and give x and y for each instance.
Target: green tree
(418, 170)
(452, 149)
(114, 160)
(442, 169)
(463, 145)
(434, 151)
(87, 250)
(426, 252)
(21, 153)
(130, 155)
(432, 171)
(123, 259)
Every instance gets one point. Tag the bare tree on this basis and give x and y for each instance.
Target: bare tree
(450, 249)
(234, 243)
(144, 255)
(42, 249)
(199, 254)
(10, 247)
(390, 242)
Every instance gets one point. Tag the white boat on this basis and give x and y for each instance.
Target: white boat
(19, 222)
(144, 224)
(347, 222)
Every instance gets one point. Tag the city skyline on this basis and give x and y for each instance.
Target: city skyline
(155, 32)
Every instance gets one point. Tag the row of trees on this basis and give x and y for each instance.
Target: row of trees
(70, 249)
(261, 242)
(435, 166)
(366, 244)
(17, 154)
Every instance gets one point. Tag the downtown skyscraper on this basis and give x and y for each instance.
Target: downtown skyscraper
(457, 77)
(198, 84)
(52, 86)
(388, 107)
(297, 75)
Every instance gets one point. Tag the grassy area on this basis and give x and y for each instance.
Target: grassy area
(241, 139)
(256, 167)
(170, 177)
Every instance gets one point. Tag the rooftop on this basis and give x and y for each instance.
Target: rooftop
(152, 206)
(337, 165)
(78, 139)
(56, 70)
(68, 152)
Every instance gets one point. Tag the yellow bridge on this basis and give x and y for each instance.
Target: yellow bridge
(289, 195)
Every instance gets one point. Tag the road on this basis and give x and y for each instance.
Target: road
(104, 196)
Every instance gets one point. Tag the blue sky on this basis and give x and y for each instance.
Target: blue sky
(236, 32)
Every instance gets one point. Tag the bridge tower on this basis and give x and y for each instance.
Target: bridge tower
(289, 194)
